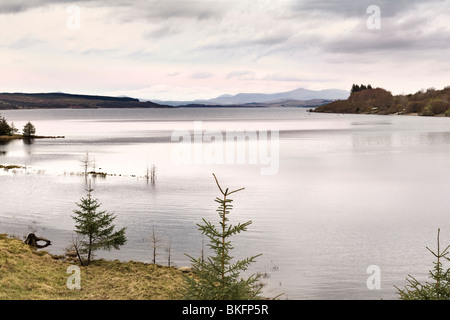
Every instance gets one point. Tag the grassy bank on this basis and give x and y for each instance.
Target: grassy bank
(10, 167)
(29, 274)
(22, 137)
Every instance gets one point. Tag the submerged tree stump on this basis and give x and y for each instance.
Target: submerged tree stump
(32, 241)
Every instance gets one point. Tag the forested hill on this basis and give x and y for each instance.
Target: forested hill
(64, 100)
(368, 100)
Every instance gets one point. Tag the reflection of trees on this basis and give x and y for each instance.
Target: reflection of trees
(364, 141)
(28, 141)
(368, 141)
(435, 138)
(8, 143)
(4, 142)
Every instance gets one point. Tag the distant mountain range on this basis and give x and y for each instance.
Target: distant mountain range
(247, 98)
(58, 100)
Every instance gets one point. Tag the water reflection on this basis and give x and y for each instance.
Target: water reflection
(28, 141)
(435, 138)
(386, 140)
(4, 142)
(364, 141)
(371, 123)
(332, 210)
(8, 146)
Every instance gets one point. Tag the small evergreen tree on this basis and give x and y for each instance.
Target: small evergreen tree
(29, 130)
(439, 289)
(95, 228)
(5, 128)
(217, 277)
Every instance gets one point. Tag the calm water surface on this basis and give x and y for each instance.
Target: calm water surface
(351, 191)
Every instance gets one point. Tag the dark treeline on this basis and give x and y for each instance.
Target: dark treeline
(5, 128)
(11, 101)
(356, 88)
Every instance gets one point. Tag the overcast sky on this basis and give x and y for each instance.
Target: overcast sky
(180, 50)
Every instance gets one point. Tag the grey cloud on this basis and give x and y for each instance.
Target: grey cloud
(201, 75)
(97, 52)
(198, 9)
(130, 10)
(11, 7)
(402, 27)
(161, 32)
(352, 8)
(25, 43)
(270, 39)
(16, 6)
(151, 10)
(417, 32)
(265, 41)
(389, 44)
(164, 9)
(290, 78)
(394, 36)
(242, 75)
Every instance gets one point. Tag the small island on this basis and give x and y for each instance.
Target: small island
(10, 132)
(367, 100)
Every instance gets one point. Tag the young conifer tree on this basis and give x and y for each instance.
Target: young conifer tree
(95, 228)
(438, 289)
(217, 277)
(5, 128)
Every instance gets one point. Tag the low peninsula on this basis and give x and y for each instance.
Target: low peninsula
(367, 100)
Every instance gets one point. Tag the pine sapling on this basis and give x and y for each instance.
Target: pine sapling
(437, 290)
(218, 277)
(95, 228)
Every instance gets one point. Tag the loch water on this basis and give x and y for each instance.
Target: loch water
(349, 191)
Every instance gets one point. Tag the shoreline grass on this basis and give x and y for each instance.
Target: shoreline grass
(10, 167)
(29, 274)
(22, 137)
